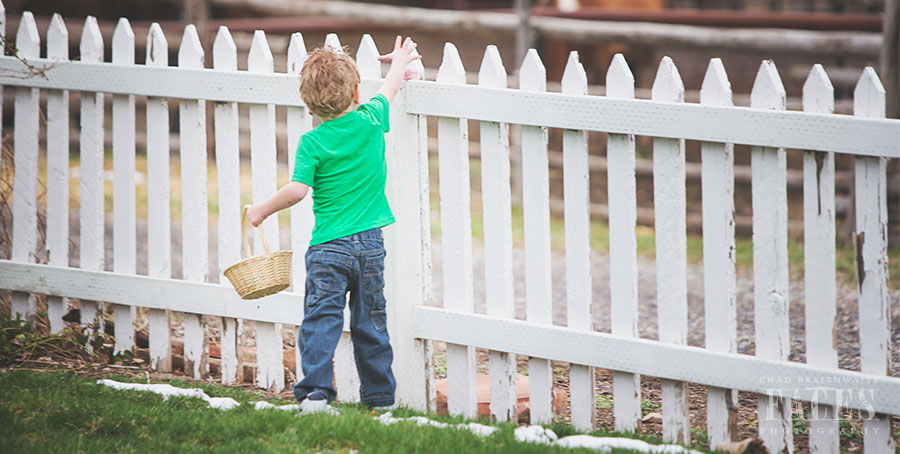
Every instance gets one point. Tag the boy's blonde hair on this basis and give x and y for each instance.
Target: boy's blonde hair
(328, 82)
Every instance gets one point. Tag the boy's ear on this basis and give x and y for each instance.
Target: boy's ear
(356, 94)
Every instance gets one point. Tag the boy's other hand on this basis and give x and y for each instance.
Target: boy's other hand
(255, 215)
(402, 54)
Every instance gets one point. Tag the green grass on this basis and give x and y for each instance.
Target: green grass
(62, 412)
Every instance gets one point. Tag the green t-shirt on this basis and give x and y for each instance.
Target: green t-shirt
(343, 161)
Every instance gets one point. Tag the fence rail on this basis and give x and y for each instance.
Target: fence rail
(766, 126)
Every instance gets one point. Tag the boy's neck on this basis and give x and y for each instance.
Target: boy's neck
(349, 109)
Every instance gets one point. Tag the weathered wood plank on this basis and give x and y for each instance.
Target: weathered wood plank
(872, 260)
(819, 263)
(770, 263)
(718, 256)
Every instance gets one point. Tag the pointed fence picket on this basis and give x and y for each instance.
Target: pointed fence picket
(719, 255)
(671, 251)
(770, 263)
(536, 211)
(623, 273)
(263, 171)
(456, 232)
(24, 204)
(194, 214)
(819, 262)
(159, 245)
(871, 257)
(124, 223)
(57, 170)
(576, 193)
(715, 122)
(497, 213)
(228, 172)
(91, 210)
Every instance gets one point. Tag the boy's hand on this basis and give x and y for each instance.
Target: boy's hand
(401, 55)
(255, 215)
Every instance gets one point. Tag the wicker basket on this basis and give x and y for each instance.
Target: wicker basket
(260, 275)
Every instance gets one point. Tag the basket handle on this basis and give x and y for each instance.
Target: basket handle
(246, 242)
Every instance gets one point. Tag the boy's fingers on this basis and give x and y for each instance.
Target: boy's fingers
(397, 41)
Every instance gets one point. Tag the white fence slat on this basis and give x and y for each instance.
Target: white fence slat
(871, 252)
(498, 264)
(576, 194)
(456, 239)
(124, 224)
(24, 204)
(91, 211)
(367, 58)
(57, 170)
(159, 249)
(718, 255)
(819, 258)
(194, 211)
(669, 202)
(622, 189)
(536, 211)
(263, 170)
(405, 276)
(299, 121)
(228, 174)
(770, 265)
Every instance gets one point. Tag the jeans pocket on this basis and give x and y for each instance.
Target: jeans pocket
(373, 273)
(330, 270)
(379, 318)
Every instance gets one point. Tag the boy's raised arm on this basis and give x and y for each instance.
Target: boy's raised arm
(399, 58)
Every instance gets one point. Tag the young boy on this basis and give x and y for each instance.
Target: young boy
(343, 160)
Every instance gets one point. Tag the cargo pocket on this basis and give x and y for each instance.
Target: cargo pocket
(379, 314)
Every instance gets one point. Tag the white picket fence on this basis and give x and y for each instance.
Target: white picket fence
(766, 126)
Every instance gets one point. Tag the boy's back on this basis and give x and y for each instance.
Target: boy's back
(343, 161)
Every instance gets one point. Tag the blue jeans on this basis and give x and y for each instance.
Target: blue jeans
(353, 264)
